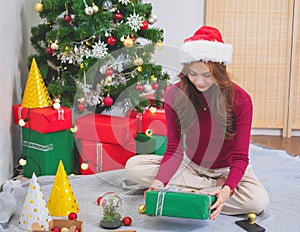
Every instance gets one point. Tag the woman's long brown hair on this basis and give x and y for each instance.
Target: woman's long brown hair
(221, 104)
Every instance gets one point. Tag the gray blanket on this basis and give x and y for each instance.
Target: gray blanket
(277, 170)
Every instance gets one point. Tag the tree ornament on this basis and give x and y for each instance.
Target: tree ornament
(251, 217)
(108, 101)
(111, 41)
(152, 19)
(124, 2)
(81, 66)
(64, 229)
(126, 221)
(138, 61)
(81, 106)
(148, 132)
(72, 216)
(134, 21)
(107, 5)
(95, 8)
(108, 80)
(109, 72)
(142, 208)
(67, 17)
(128, 42)
(132, 38)
(99, 200)
(55, 229)
(147, 88)
(54, 46)
(144, 25)
(89, 10)
(49, 51)
(139, 87)
(39, 7)
(154, 86)
(118, 16)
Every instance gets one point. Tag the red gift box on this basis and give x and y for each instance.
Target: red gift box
(44, 120)
(154, 121)
(104, 156)
(106, 129)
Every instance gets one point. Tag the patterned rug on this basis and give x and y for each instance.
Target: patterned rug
(277, 170)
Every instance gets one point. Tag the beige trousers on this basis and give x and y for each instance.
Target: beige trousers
(248, 196)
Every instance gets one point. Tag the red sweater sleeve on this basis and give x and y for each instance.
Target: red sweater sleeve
(239, 158)
(174, 153)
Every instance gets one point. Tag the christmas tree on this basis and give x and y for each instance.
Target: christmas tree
(94, 54)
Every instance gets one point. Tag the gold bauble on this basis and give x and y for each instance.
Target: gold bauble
(82, 66)
(142, 208)
(251, 217)
(128, 42)
(148, 132)
(38, 7)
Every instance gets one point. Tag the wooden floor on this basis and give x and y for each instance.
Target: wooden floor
(291, 145)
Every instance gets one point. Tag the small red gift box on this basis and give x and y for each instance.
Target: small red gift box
(106, 129)
(154, 121)
(104, 156)
(44, 120)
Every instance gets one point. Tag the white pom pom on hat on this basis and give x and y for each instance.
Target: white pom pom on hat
(205, 45)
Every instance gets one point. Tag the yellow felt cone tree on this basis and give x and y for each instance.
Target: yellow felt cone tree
(62, 200)
(35, 94)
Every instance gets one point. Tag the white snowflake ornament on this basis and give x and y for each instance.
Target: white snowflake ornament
(135, 21)
(99, 50)
(124, 2)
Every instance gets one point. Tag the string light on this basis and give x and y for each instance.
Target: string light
(22, 161)
(84, 166)
(22, 121)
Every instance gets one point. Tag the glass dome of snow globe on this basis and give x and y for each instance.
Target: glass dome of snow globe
(110, 211)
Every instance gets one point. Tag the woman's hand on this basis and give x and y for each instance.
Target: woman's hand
(222, 196)
(156, 185)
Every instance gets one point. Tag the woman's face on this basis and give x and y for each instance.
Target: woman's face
(200, 76)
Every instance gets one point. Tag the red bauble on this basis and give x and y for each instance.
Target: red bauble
(139, 88)
(67, 18)
(49, 51)
(144, 25)
(126, 221)
(132, 38)
(155, 86)
(111, 41)
(72, 216)
(55, 229)
(77, 230)
(108, 101)
(81, 106)
(109, 72)
(99, 200)
(118, 16)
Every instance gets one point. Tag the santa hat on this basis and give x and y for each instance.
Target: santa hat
(206, 45)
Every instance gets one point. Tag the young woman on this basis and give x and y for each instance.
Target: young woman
(214, 115)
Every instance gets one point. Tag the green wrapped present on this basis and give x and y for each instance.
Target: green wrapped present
(44, 151)
(179, 204)
(154, 144)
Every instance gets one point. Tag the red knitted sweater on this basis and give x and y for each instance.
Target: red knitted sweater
(204, 144)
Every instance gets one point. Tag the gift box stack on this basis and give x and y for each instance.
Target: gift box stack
(105, 142)
(151, 131)
(46, 135)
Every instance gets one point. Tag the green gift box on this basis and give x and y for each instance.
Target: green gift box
(44, 151)
(154, 144)
(179, 204)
